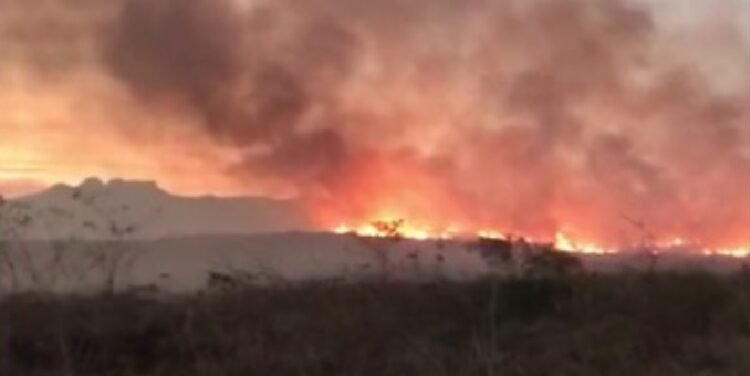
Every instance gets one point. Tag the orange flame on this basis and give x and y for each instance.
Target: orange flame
(566, 244)
(393, 228)
(563, 241)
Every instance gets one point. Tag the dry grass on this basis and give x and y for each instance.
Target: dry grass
(647, 324)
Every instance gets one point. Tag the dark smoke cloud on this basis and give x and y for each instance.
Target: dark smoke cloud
(536, 105)
(531, 115)
(254, 87)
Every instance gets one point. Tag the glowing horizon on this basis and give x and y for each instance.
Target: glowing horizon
(632, 119)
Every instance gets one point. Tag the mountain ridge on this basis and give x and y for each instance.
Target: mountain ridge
(140, 209)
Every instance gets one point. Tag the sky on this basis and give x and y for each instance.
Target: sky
(63, 119)
(516, 113)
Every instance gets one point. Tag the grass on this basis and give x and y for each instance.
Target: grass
(629, 324)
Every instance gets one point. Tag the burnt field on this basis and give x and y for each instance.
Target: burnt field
(661, 323)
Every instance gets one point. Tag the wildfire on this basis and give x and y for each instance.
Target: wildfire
(731, 252)
(566, 244)
(491, 234)
(563, 241)
(393, 228)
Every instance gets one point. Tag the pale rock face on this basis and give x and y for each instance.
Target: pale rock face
(92, 185)
(141, 210)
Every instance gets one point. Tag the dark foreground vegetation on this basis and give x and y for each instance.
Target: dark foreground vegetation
(647, 324)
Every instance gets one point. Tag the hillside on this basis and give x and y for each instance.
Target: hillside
(141, 210)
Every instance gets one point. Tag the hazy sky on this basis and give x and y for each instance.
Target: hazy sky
(62, 118)
(531, 114)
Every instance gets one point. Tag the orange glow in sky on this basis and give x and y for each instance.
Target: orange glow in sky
(618, 129)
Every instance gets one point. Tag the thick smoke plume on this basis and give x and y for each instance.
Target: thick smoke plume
(586, 116)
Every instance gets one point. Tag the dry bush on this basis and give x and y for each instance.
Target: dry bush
(644, 324)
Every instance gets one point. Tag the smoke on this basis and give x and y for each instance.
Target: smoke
(600, 118)
(64, 116)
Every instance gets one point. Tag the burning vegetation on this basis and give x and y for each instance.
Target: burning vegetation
(400, 229)
(596, 125)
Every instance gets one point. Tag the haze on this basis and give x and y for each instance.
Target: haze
(445, 112)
